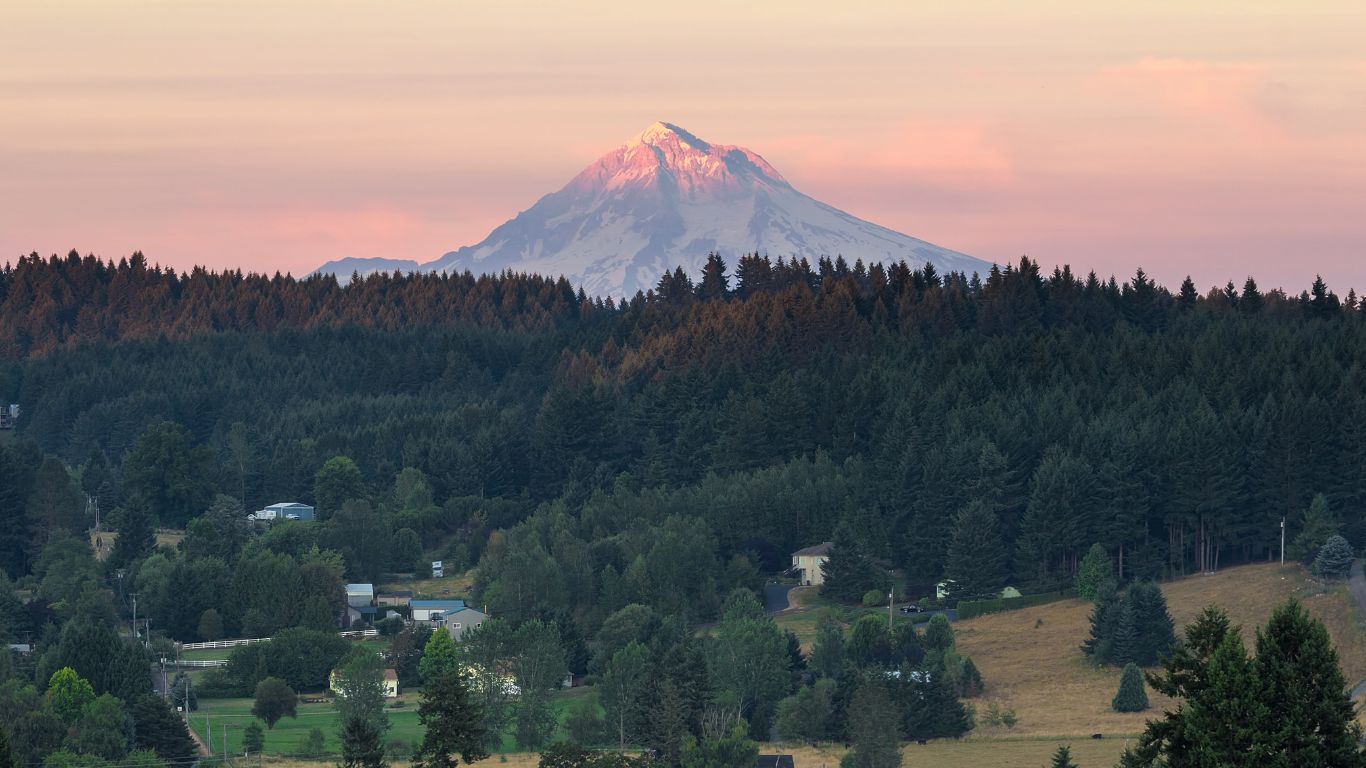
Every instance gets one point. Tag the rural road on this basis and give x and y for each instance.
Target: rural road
(775, 597)
(1356, 584)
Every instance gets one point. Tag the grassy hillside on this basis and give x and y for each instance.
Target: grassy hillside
(1031, 660)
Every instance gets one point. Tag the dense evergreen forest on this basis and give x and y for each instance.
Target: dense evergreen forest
(625, 472)
(763, 408)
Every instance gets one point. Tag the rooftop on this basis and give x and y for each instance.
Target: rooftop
(820, 549)
(445, 604)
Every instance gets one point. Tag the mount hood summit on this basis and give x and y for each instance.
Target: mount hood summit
(667, 198)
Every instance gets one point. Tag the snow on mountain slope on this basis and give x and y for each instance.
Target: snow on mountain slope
(344, 268)
(668, 198)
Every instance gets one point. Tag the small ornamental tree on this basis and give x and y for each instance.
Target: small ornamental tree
(1131, 696)
(438, 656)
(210, 625)
(68, 694)
(274, 700)
(253, 738)
(1094, 572)
(1334, 559)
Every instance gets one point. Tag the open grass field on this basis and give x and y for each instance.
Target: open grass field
(1031, 661)
(102, 542)
(453, 586)
(285, 738)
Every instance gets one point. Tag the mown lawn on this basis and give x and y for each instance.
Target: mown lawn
(287, 736)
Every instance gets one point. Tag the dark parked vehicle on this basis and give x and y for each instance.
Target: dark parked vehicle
(912, 608)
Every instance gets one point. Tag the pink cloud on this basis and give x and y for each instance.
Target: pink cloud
(946, 151)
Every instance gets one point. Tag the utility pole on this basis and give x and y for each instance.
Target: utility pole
(1282, 540)
(891, 598)
(135, 616)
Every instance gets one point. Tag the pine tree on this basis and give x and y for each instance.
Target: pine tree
(1311, 719)
(454, 725)
(1124, 643)
(136, 537)
(977, 558)
(1155, 633)
(1186, 298)
(1095, 570)
(1334, 559)
(253, 738)
(361, 744)
(1104, 616)
(1062, 758)
(715, 284)
(874, 732)
(848, 570)
(1318, 524)
(1131, 696)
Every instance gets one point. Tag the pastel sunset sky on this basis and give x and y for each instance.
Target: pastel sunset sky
(1213, 138)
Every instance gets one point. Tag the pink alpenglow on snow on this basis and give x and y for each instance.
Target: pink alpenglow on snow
(668, 198)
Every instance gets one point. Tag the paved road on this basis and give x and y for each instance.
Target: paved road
(775, 597)
(1356, 584)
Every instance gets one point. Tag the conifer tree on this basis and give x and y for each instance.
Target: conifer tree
(361, 744)
(1334, 559)
(874, 732)
(454, 727)
(848, 570)
(977, 560)
(1131, 696)
(1125, 642)
(253, 738)
(1062, 758)
(1317, 525)
(1311, 719)
(1095, 570)
(1156, 635)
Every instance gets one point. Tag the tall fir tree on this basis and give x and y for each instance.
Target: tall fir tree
(1311, 718)
(978, 561)
(848, 570)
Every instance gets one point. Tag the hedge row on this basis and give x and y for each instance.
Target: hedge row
(969, 609)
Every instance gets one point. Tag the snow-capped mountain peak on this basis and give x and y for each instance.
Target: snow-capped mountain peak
(668, 198)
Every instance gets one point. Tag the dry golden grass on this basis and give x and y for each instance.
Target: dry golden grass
(103, 541)
(453, 586)
(1031, 661)
(969, 753)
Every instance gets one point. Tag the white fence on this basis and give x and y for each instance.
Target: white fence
(354, 634)
(223, 643)
(194, 662)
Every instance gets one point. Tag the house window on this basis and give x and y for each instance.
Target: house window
(457, 625)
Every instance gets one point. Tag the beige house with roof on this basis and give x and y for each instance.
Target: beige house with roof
(806, 563)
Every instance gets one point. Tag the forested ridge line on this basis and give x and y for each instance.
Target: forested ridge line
(774, 403)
